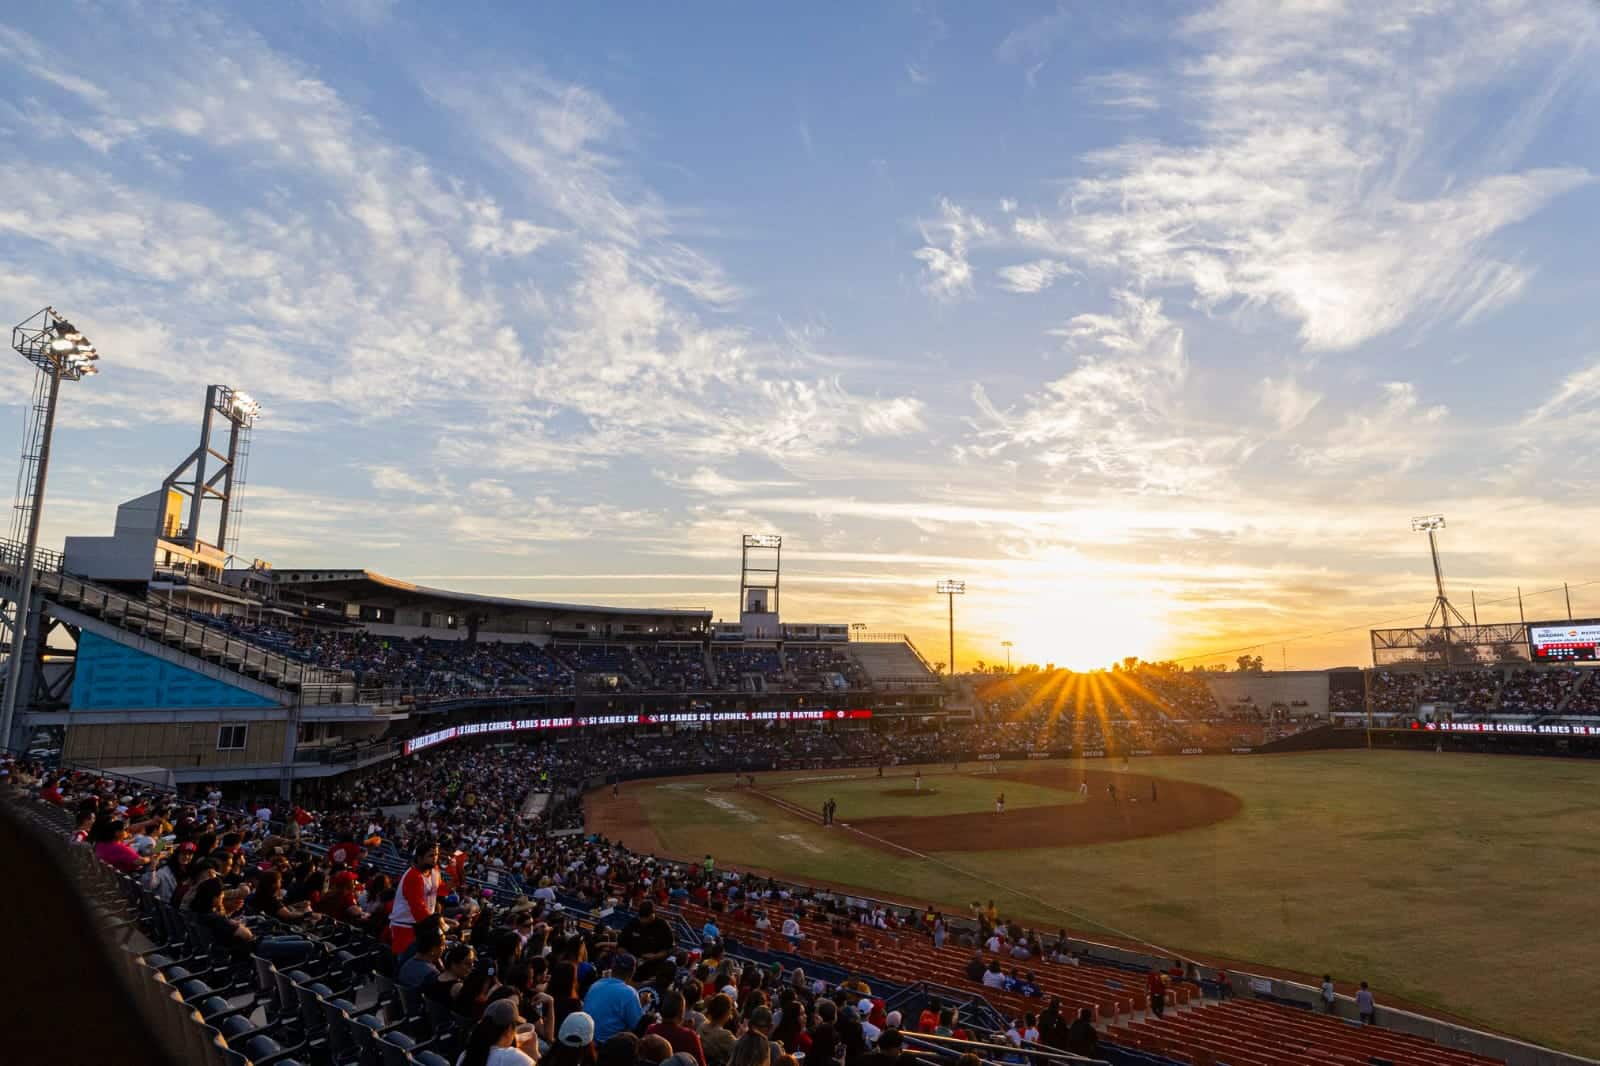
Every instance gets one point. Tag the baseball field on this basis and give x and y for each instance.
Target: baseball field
(1461, 883)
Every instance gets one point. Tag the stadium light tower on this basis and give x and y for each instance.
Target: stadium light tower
(951, 589)
(59, 352)
(1443, 610)
(1006, 644)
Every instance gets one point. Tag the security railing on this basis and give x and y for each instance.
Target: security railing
(175, 629)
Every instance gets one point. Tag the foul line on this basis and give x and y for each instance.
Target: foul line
(1080, 919)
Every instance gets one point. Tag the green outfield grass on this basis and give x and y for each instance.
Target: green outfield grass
(1462, 882)
(943, 793)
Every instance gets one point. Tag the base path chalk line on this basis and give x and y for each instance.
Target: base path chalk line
(1079, 919)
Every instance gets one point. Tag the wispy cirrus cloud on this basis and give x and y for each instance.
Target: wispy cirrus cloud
(1312, 180)
(946, 273)
(1394, 434)
(1117, 417)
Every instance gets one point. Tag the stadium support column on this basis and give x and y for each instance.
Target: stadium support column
(951, 589)
(58, 351)
(291, 741)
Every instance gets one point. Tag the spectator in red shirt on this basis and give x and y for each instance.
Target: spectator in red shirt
(346, 852)
(672, 1029)
(85, 825)
(340, 899)
(1157, 986)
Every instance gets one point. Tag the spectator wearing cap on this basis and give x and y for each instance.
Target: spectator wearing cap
(340, 899)
(869, 1031)
(612, 1003)
(671, 1028)
(574, 1044)
(498, 1037)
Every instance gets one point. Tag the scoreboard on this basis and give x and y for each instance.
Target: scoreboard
(1564, 642)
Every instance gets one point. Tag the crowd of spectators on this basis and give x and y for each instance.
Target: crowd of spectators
(517, 973)
(735, 666)
(1476, 691)
(677, 667)
(456, 668)
(1585, 699)
(520, 970)
(1530, 691)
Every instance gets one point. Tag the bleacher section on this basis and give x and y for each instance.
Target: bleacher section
(892, 662)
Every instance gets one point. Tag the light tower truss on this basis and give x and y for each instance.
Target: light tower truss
(210, 474)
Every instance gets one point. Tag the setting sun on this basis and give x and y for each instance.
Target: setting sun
(1064, 626)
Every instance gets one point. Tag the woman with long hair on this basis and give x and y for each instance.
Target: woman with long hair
(751, 1049)
(493, 1041)
(563, 989)
(267, 899)
(791, 1028)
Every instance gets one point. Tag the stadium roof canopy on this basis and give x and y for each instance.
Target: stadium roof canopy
(369, 588)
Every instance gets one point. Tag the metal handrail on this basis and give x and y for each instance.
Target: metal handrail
(168, 626)
(1034, 1051)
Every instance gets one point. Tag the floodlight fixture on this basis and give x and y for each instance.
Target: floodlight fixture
(951, 588)
(763, 540)
(55, 346)
(59, 352)
(1443, 610)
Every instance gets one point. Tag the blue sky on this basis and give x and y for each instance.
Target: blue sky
(1155, 323)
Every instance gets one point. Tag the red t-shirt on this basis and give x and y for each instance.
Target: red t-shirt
(682, 1039)
(928, 1021)
(347, 853)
